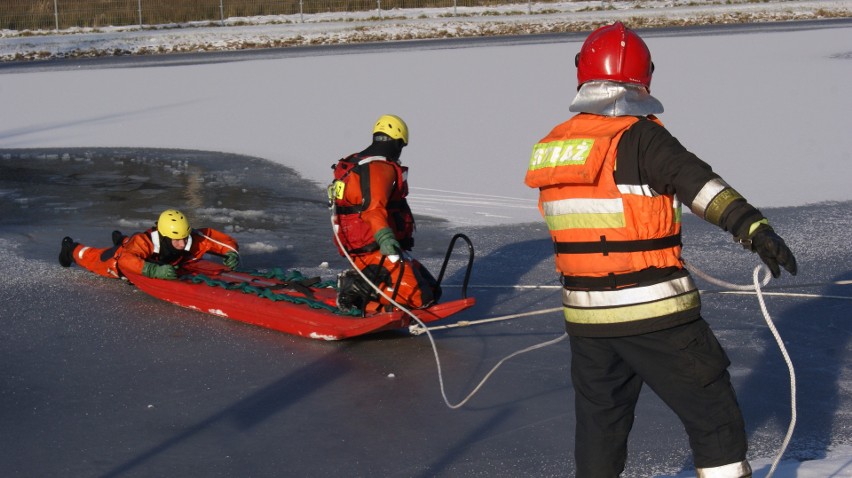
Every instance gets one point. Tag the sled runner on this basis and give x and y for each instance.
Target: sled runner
(286, 302)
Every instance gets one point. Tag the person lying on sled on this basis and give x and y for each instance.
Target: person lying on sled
(155, 253)
(375, 226)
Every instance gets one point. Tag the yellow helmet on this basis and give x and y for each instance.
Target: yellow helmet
(392, 126)
(173, 224)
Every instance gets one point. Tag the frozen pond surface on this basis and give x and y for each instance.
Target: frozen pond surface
(97, 379)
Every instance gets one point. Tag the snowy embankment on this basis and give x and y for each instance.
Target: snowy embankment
(242, 33)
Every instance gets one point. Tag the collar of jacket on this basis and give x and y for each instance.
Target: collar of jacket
(610, 98)
(155, 240)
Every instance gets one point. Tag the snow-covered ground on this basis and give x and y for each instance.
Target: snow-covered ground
(405, 24)
(765, 108)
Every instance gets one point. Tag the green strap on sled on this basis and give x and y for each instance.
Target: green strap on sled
(268, 293)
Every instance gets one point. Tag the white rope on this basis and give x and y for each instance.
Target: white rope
(728, 285)
(788, 294)
(429, 334)
(756, 288)
(789, 367)
(418, 329)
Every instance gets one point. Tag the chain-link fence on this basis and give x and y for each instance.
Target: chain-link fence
(63, 14)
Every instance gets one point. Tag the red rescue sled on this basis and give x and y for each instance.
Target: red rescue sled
(287, 306)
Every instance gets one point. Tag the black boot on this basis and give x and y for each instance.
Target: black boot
(353, 292)
(66, 254)
(117, 238)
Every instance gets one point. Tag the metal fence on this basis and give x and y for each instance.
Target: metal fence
(62, 14)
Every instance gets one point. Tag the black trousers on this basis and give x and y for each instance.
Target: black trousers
(685, 366)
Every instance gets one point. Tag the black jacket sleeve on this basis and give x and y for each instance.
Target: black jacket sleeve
(649, 154)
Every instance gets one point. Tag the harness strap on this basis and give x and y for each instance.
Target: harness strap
(342, 210)
(303, 286)
(616, 281)
(605, 247)
(373, 246)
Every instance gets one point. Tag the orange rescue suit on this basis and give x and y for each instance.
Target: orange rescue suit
(369, 195)
(134, 251)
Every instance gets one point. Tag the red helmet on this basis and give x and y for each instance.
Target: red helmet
(614, 52)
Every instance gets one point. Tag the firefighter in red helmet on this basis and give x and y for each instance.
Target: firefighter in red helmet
(611, 182)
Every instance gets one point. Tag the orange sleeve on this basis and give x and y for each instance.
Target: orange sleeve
(382, 178)
(134, 252)
(206, 240)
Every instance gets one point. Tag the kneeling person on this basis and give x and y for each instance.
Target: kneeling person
(375, 226)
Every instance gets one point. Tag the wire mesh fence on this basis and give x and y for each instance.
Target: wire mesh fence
(63, 14)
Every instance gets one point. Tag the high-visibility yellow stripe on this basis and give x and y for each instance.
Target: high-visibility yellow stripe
(719, 204)
(584, 221)
(616, 315)
(584, 213)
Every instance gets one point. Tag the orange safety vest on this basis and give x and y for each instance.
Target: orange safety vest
(602, 229)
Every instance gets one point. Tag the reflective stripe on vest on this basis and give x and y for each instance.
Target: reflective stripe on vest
(584, 214)
(630, 304)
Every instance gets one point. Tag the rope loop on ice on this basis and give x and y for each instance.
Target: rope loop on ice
(756, 287)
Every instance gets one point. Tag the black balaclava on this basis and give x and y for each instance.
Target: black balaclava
(384, 145)
(168, 253)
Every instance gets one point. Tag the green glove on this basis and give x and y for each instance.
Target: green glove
(387, 242)
(155, 271)
(232, 260)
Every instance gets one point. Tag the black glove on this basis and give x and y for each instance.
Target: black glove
(771, 249)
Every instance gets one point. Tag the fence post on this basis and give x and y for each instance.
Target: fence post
(379, 5)
(301, 12)
(140, 13)
(56, 14)
(221, 13)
